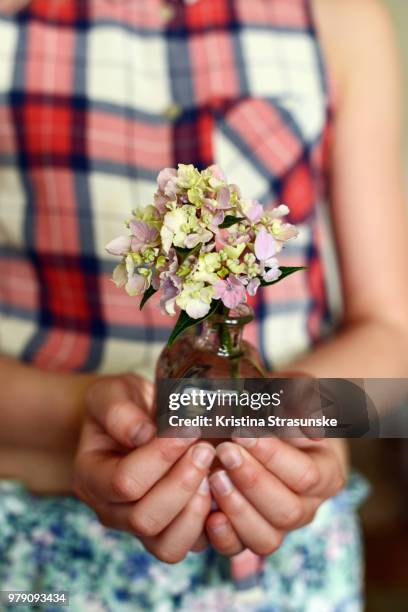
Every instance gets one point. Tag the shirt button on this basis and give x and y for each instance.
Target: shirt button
(173, 111)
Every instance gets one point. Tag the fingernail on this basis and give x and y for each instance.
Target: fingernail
(229, 455)
(203, 455)
(142, 433)
(247, 442)
(204, 487)
(221, 483)
(219, 528)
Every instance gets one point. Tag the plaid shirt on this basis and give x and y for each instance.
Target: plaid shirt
(95, 98)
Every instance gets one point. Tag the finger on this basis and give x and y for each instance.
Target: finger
(107, 476)
(176, 541)
(141, 469)
(292, 466)
(114, 516)
(321, 475)
(160, 506)
(252, 529)
(304, 442)
(271, 498)
(219, 529)
(222, 535)
(141, 391)
(185, 533)
(110, 405)
(95, 465)
(201, 543)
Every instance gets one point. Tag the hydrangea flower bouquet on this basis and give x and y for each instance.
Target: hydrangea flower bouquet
(201, 245)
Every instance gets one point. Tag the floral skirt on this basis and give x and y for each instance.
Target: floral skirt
(57, 544)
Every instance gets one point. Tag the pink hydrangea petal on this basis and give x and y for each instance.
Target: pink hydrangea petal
(232, 298)
(231, 292)
(170, 289)
(143, 232)
(155, 281)
(219, 288)
(161, 201)
(253, 286)
(221, 239)
(255, 212)
(165, 176)
(192, 240)
(224, 198)
(171, 189)
(218, 218)
(265, 245)
(173, 261)
(137, 284)
(217, 172)
(240, 238)
(119, 246)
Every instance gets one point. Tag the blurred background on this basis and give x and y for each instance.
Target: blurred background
(385, 462)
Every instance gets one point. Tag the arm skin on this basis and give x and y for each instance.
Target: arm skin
(41, 417)
(370, 225)
(368, 199)
(40, 410)
(367, 194)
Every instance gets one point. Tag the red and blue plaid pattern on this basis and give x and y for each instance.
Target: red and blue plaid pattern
(95, 98)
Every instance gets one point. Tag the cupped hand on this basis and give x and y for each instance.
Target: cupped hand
(268, 487)
(155, 488)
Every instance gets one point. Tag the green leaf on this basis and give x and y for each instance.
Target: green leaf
(184, 253)
(228, 221)
(185, 321)
(146, 296)
(286, 271)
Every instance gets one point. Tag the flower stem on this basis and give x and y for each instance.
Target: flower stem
(224, 333)
(226, 343)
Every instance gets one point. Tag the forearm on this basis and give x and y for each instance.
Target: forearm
(368, 349)
(38, 409)
(40, 471)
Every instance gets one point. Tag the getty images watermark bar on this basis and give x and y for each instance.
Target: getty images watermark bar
(284, 407)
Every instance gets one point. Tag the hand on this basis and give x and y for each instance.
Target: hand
(270, 486)
(155, 488)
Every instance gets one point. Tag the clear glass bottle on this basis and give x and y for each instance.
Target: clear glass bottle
(216, 350)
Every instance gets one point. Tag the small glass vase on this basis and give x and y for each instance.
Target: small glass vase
(215, 350)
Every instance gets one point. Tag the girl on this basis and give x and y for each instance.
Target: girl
(295, 100)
